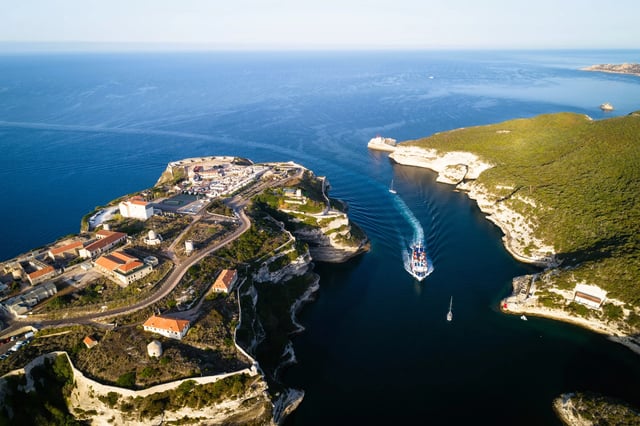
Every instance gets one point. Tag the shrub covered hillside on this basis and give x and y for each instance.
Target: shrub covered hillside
(583, 177)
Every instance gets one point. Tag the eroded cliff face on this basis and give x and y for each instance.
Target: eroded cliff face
(296, 267)
(101, 404)
(462, 169)
(334, 239)
(336, 247)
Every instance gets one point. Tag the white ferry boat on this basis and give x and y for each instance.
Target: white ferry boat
(419, 266)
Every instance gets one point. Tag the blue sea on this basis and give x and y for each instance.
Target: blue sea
(78, 130)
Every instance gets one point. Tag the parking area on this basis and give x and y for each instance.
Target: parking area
(181, 204)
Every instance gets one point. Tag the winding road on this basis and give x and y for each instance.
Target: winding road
(169, 283)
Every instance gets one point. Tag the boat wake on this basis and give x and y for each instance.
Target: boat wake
(416, 261)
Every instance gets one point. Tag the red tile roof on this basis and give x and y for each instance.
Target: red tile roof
(130, 266)
(138, 200)
(41, 272)
(89, 341)
(106, 238)
(119, 261)
(166, 323)
(588, 297)
(68, 247)
(225, 279)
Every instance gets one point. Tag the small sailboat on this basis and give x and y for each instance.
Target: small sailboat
(523, 318)
(450, 313)
(391, 189)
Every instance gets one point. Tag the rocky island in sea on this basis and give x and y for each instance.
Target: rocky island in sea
(173, 304)
(564, 189)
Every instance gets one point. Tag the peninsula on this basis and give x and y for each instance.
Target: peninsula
(633, 69)
(173, 304)
(563, 189)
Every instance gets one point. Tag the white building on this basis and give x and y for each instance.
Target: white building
(122, 268)
(589, 295)
(154, 349)
(105, 241)
(136, 208)
(23, 303)
(173, 328)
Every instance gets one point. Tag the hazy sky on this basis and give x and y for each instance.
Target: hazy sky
(342, 24)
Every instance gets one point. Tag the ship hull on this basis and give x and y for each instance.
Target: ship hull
(418, 264)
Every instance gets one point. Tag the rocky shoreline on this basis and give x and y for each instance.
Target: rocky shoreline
(630, 69)
(461, 169)
(328, 236)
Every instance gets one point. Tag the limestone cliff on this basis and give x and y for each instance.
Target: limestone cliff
(334, 242)
(99, 404)
(462, 169)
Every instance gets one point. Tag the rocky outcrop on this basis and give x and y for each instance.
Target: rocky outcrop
(451, 167)
(89, 400)
(382, 144)
(299, 266)
(587, 409)
(331, 247)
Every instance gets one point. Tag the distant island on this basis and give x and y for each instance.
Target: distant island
(633, 69)
(174, 304)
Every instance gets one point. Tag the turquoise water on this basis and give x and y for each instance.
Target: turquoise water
(78, 130)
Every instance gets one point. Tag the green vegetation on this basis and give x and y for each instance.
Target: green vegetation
(583, 177)
(218, 207)
(263, 237)
(596, 409)
(44, 404)
(187, 394)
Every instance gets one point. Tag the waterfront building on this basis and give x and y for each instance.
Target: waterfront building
(70, 250)
(589, 295)
(225, 281)
(41, 274)
(173, 328)
(136, 207)
(122, 267)
(106, 240)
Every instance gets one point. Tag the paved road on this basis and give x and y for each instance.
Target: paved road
(167, 286)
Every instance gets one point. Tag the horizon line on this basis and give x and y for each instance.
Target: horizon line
(8, 46)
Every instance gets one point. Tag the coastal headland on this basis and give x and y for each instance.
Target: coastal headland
(631, 69)
(174, 303)
(548, 183)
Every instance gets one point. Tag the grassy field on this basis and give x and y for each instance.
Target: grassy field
(584, 178)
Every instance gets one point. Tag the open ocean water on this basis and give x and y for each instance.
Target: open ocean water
(78, 130)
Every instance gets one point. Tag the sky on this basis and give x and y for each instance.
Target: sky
(324, 24)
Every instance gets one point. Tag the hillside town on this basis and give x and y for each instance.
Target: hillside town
(144, 260)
